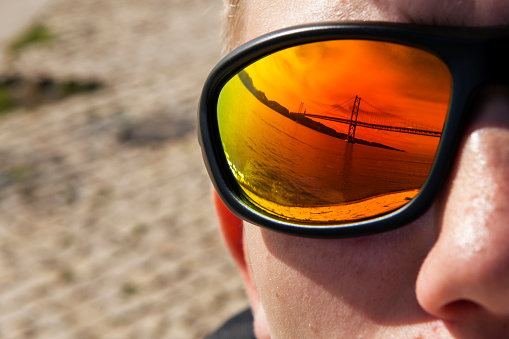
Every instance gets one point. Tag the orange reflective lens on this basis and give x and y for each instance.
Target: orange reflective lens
(334, 131)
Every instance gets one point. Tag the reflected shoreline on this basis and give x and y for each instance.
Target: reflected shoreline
(301, 119)
(335, 214)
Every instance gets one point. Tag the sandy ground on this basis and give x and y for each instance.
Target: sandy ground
(106, 223)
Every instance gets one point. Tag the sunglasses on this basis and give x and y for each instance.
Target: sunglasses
(336, 130)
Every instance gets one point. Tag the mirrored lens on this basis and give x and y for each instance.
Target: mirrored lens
(336, 131)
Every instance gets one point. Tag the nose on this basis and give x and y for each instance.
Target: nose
(464, 279)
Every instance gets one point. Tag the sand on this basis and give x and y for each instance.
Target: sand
(106, 223)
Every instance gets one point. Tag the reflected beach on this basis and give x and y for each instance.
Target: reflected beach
(345, 212)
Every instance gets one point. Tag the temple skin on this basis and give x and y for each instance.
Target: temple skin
(446, 275)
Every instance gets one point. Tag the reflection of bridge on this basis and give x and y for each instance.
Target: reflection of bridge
(373, 118)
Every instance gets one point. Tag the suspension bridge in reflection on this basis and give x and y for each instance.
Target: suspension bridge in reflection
(370, 117)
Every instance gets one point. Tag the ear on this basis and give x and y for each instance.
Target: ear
(232, 229)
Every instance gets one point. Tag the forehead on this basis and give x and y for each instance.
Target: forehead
(258, 17)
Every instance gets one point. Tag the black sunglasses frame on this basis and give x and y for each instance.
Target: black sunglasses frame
(475, 57)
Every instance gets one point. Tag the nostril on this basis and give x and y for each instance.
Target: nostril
(460, 309)
(470, 320)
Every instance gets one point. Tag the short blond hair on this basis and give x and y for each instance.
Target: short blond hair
(233, 25)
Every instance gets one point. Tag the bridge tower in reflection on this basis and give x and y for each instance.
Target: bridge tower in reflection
(353, 120)
(371, 117)
(302, 110)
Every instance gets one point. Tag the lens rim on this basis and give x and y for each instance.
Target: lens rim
(465, 51)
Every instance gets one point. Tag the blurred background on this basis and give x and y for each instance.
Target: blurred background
(106, 223)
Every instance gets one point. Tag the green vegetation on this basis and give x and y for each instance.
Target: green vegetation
(140, 229)
(26, 92)
(6, 101)
(21, 173)
(68, 275)
(130, 289)
(73, 87)
(38, 34)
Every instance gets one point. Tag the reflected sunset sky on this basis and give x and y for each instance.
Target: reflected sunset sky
(406, 82)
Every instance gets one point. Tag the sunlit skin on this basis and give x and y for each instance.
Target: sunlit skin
(446, 275)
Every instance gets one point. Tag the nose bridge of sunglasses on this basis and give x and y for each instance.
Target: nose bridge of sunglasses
(497, 61)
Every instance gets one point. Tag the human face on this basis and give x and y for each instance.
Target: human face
(446, 274)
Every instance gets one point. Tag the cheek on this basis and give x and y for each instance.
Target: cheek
(288, 296)
(311, 287)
